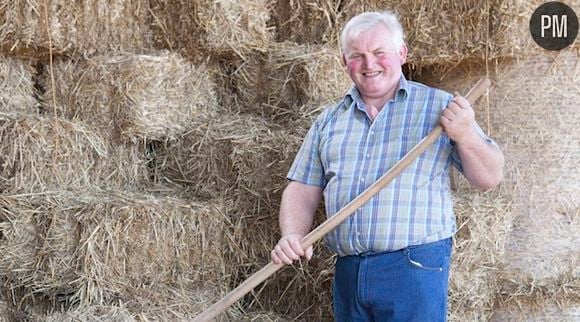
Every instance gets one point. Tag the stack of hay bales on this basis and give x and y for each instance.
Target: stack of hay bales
(542, 256)
(92, 247)
(82, 220)
(203, 29)
(136, 97)
(290, 81)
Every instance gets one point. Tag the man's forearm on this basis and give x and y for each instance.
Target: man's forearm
(297, 209)
(482, 162)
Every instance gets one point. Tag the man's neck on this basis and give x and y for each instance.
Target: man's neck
(379, 102)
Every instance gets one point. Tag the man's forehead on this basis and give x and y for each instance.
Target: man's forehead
(382, 42)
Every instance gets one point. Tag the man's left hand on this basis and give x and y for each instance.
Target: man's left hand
(458, 120)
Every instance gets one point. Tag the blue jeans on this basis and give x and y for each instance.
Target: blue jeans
(405, 285)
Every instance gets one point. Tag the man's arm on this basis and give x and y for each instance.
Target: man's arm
(482, 162)
(297, 210)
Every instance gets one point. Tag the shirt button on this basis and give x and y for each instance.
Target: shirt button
(362, 179)
(368, 155)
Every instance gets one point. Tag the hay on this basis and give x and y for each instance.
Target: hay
(545, 150)
(301, 292)
(161, 304)
(484, 223)
(260, 162)
(519, 291)
(548, 313)
(91, 314)
(231, 153)
(143, 304)
(5, 312)
(78, 27)
(17, 86)
(155, 96)
(262, 316)
(222, 28)
(305, 22)
(46, 153)
(102, 247)
(290, 81)
(246, 159)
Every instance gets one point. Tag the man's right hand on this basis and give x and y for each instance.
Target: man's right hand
(288, 250)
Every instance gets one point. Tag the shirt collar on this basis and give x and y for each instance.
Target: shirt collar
(353, 95)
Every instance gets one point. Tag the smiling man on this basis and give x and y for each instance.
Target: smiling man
(394, 251)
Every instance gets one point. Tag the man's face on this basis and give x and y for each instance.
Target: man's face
(374, 64)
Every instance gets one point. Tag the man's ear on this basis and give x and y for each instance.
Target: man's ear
(403, 54)
(343, 60)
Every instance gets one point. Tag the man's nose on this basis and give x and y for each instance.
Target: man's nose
(369, 61)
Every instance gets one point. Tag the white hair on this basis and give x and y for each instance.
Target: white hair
(367, 21)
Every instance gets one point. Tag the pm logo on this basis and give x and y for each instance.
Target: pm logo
(554, 26)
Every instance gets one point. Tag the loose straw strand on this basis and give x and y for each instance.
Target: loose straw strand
(50, 56)
(487, 103)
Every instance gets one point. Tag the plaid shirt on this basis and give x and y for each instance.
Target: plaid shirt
(344, 153)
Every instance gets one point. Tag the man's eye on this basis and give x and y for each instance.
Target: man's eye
(380, 53)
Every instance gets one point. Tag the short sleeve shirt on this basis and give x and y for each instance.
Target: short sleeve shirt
(345, 152)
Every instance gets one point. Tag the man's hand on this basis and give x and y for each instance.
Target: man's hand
(288, 250)
(458, 120)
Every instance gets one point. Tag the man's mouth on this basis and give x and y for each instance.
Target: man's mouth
(371, 74)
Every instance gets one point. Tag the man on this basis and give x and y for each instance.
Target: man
(394, 251)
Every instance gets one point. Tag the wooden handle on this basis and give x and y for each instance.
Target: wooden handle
(340, 216)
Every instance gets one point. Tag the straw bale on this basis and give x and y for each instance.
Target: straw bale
(73, 27)
(177, 303)
(225, 27)
(18, 243)
(97, 313)
(142, 304)
(137, 96)
(199, 160)
(547, 313)
(5, 312)
(303, 21)
(545, 150)
(43, 153)
(242, 154)
(291, 81)
(524, 298)
(17, 86)
(260, 161)
(302, 291)
(448, 32)
(484, 222)
(93, 248)
(263, 316)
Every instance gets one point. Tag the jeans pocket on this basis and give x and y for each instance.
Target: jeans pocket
(428, 257)
(418, 264)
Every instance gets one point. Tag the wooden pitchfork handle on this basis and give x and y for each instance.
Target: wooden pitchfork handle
(340, 216)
